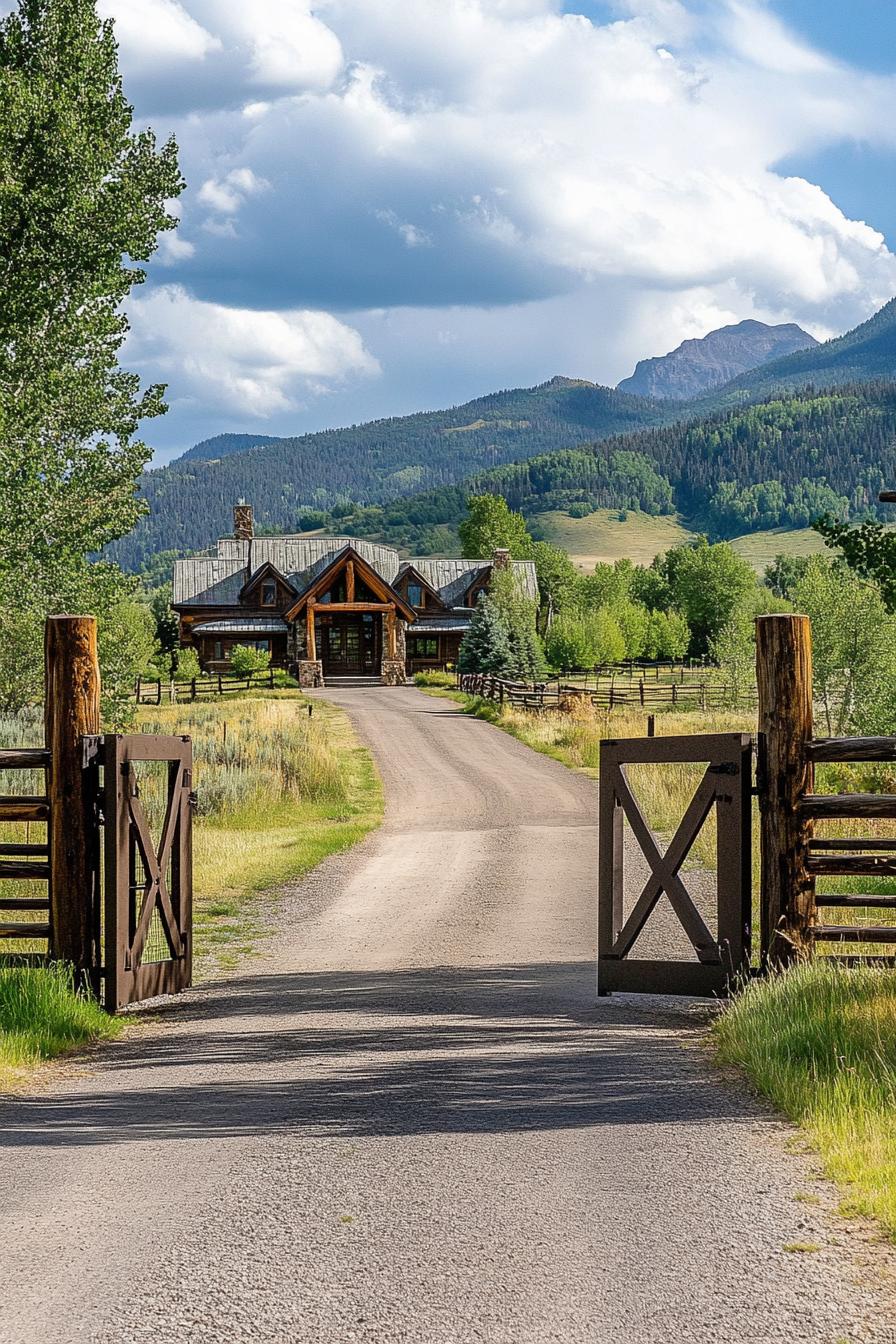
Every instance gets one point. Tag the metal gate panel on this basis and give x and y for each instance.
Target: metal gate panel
(148, 886)
(726, 787)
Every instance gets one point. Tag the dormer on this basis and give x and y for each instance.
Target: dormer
(418, 593)
(267, 590)
(478, 586)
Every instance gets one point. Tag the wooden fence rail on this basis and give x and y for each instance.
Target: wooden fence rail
(157, 692)
(560, 695)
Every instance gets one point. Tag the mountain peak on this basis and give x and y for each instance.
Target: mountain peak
(699, 365)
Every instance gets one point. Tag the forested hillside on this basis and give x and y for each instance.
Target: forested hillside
(779, 463)
(222, 445)
(190, 500)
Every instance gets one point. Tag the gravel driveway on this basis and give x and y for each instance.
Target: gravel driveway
(412, 1120)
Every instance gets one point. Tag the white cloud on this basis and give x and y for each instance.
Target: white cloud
(217, 53)
(227, 194)
(249, 363)
(515, 163)
(153, 31)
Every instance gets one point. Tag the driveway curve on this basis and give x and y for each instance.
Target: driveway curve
(413, 1121)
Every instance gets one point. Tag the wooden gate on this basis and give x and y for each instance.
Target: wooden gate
(726, 789)
(148, 881)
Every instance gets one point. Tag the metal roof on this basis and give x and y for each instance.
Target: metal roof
(452, 626)
(207, 581)
(243, 625)
(452, 578)
(216, 580)
(296, 556)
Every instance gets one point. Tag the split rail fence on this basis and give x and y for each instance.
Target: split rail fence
(118, 902)
(643, 694)
(197, 688)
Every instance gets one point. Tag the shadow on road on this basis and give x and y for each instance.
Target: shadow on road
(430, 1050)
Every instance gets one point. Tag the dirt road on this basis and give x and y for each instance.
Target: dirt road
(414, 1121)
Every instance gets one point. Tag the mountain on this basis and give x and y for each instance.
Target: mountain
(190, 500)
(407, 463)
(867, 352)
(698, 366)
(778, 463)
(222, 445)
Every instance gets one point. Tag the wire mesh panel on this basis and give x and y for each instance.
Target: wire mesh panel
(714, 928)
(148, 867)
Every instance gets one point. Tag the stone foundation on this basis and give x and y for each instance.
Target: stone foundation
(393, 673)
(310, 674)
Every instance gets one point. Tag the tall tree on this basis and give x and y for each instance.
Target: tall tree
(83, 199)
(491, 523)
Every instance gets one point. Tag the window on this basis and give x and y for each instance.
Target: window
(425, 646)
(218, 650)
(268, 594)
(415, 594)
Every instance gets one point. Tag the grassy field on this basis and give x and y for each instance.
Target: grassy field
(601, 536)
(641, 537)
(278, 792)
(760, 548)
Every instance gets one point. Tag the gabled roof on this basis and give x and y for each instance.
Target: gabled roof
(411, 573)
(296, 556)
(325, 573)
(266, 571)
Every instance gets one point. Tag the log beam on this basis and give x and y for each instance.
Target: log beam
(350, 581)
(786, 774)
(310, 639)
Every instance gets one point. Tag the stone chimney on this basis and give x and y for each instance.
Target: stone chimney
(243, 525)
(501, 558)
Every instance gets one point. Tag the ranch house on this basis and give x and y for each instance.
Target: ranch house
(330, 606)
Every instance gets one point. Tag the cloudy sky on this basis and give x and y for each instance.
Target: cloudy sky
(401, 204)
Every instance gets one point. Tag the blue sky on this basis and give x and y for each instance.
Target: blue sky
(385, 215)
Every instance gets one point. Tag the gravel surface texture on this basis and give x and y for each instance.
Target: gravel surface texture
(412, 1119)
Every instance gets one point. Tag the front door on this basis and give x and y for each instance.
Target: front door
(350, 646)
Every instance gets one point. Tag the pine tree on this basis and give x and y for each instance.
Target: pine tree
(486, 645)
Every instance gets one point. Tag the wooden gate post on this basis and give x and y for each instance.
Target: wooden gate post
(72, 711)
(784, 679)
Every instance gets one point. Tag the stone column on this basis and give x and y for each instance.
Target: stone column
(392, 671)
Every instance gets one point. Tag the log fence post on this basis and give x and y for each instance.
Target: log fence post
(785, 774)
(72, 712)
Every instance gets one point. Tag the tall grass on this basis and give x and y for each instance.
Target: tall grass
(820, 1042)
(41, 1015)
